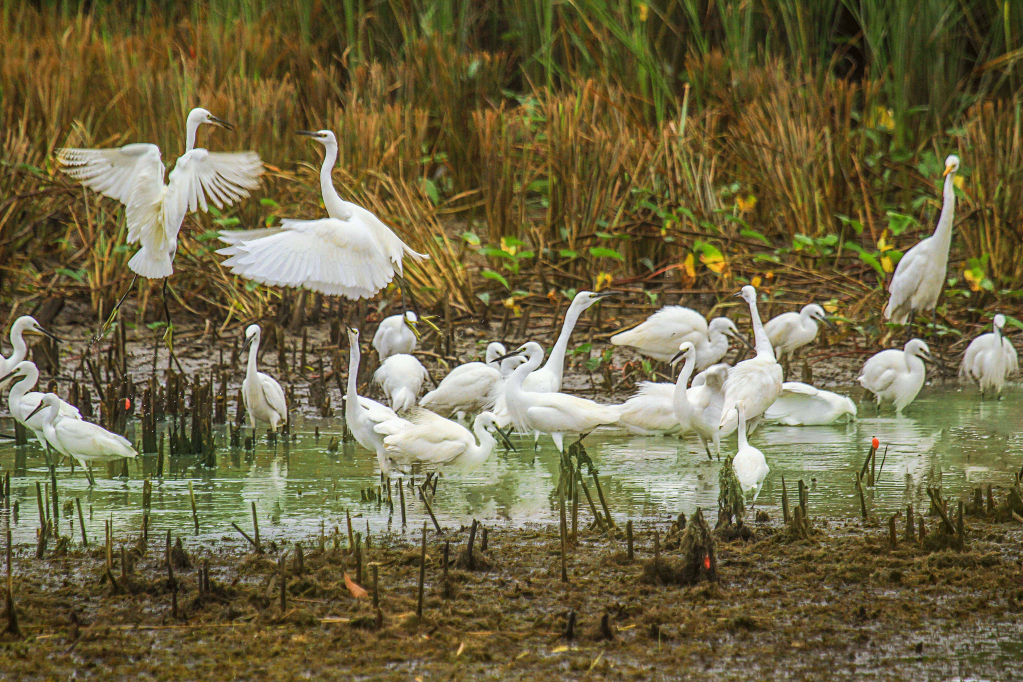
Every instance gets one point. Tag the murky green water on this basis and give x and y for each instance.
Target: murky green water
(947, 436)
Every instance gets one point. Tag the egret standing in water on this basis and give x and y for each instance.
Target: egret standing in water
(23, 401)
(363, 414)
(401, 378)
(428, 441)
(395, 335)
(990, 359)
(82, 440)
(263, 396)
(26, 324)
(896, 375)
(659, 336)
(791, 331)
(749, 463)
(469, 388)
(920, 275)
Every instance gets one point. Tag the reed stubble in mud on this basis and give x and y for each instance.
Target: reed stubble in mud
(422, 576)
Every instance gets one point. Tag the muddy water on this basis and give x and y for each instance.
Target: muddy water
(947, 437)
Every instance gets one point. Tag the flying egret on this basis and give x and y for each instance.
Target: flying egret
(364, 414)
(350, 254)
(23, 400)
(395, 335)
(920, 275)
(990, 359)
(791, 331)
(800, 404)
(472, 387)
(429, 441)
(749, 463)
(26, 324)
(401, 377)
(84, 441)
(557, 414)
(756, 382)
(659, 336)
(263, 396)
(896, 375)
(154, 211)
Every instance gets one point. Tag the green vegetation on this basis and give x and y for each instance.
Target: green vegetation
(534, 146)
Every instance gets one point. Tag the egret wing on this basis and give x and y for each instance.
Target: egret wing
(221, 177)
(377, 412)
(908, 275)
(430, 442)
(274, 395)
(111, 172)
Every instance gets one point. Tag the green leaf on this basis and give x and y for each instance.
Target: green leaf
(77, 275)
(227, 222)
(490, 274)
(524, 255)
(753, 234)
(512, 241)
(430, 187)
(495, 252)
(567, 253)
(266, 201)
(471, 238)
(601, 252)
(899, 222)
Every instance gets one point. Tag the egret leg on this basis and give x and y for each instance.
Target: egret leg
(88, 474)
(707, 448)
(406, 290)
(559, 442)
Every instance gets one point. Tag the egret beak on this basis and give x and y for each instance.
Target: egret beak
(737, 294)
(605, 294)
(926, 357)
(507, 442)
(678, 356)
(39, 407)
(827, 320)
(948, 169)
(248, 341)
(42, 332)
(220, 122)
(740, 339)
(7, 376)
(508, 355)
(306, 133)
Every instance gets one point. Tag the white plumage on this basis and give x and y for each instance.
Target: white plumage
(556, 414)
(26, 324)
(699, 408)
(791, 331)
(756, 382)
(22, 400)
(82, 440)
(428, 441)
(133, 175)
(749, 463)
(401, 378)
(394, 335)
(990, 359)
(800, 404)
(362, 414)
(896, 375)
(351, 254)
(651, 410)
(469, 388)
(263, 396)
(660, 334)
(920, 275)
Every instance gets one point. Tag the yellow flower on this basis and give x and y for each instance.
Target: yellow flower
(603, 280)
(973, 279)
(745, 204)
(755, 281)
(513, 306)
(689, 265)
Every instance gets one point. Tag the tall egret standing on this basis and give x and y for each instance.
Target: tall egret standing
(756, 382)
(395, 335)
(920, 275)
(749, 463)
(660, 334)
(263, 396)
(430, 441)
(23, 400)
(82, 440)
(896, 375)
(990, 359)
(401, 377)
(26, 324)
(362, 414)
(800, 404)
(351, 253)
(133, 175)
(791, 331)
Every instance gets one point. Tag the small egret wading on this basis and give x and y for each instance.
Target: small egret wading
(395, 335)
(26, 324)
(470, 388)
(84, 441)
(362, 414)
(401, 378)
(896, 376)
(23, 401)
(800, 404)
(749, 463)
(990, 359)
(694, 408)
(429, 441)
(659, 336)
(263, 396)
(791, 331)
(651, 410)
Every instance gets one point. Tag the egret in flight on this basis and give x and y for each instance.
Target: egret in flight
(896, 375)
(263, 396)
(920, 275)
(755, 382)
(659, 336)
(990, 359)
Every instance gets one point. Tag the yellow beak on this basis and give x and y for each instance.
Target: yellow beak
(948, 169)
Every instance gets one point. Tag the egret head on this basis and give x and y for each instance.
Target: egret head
(324, 137)
(485, 420)
(584, 299)
(26, 324)
(251, 334)
(494, 351)
(918, 348)
(849, 408)
(722, 325)
(951, 164)
(531, 349)
(353, 336)
(198, 116)
(748, 294)
(685, 350)
(999, 321)
(49, 400)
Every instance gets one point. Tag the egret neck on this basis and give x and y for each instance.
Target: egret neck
(943, 232)
(331, 199)
(556, 360)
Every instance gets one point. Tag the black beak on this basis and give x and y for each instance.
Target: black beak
(220, 122)
(39, 407)
(306, 133)
(605, 294)
(827, 320)
(507, 442)
(43, 332)
(508, 355)
(740, 339)
(248, 341)
(678, 356)
(8, 376)
(926, 357)
(737, 294)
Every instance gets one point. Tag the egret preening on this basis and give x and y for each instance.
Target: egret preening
(990, 359)
(553, 413)
(395, 335)
(401, 377)
(756, 382)
(896, 375)
(154, 211)
(691, 406)
(920, 275)
(749, 464)
(26, 324)
(651, 410)
(350, 254)
(263, 396)
(429, 441)
(84, 441)
(22, 400)
(791, 331)
(362, 414)
(469, 388)
(660, 334)
(800, 404)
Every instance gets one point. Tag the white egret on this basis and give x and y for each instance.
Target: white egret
(693, 408)
(23, 400)
(749, 463)
(429, 441)
(660, 334)
(791, 331)
(395, 335)
(557, 414)
(990, 359)
(263, 396)
(920, 275)
(651, 410)
(896, 375)
(154, 211)
(84, 441)
(351, 253)
(470, 388)
(401, 377)
(363, 414)
(756, 382)
(800, 404)
(26, 324)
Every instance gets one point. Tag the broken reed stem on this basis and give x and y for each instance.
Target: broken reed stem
(282, 566)
(12, 615)
(401, 495)
(881, 468)
(910, 535)
(81, 521)
(351, 535)
(195, 513)
(429, 510)
(603, 501)
(628, 539)
(422, 574)
(255, 529)
(784, 501)
(593, 509)
(893, 538)
(564, 530)
(863, 501)
(246, 536)
(376, 589)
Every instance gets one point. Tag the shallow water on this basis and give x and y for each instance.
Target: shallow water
(947, 436)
